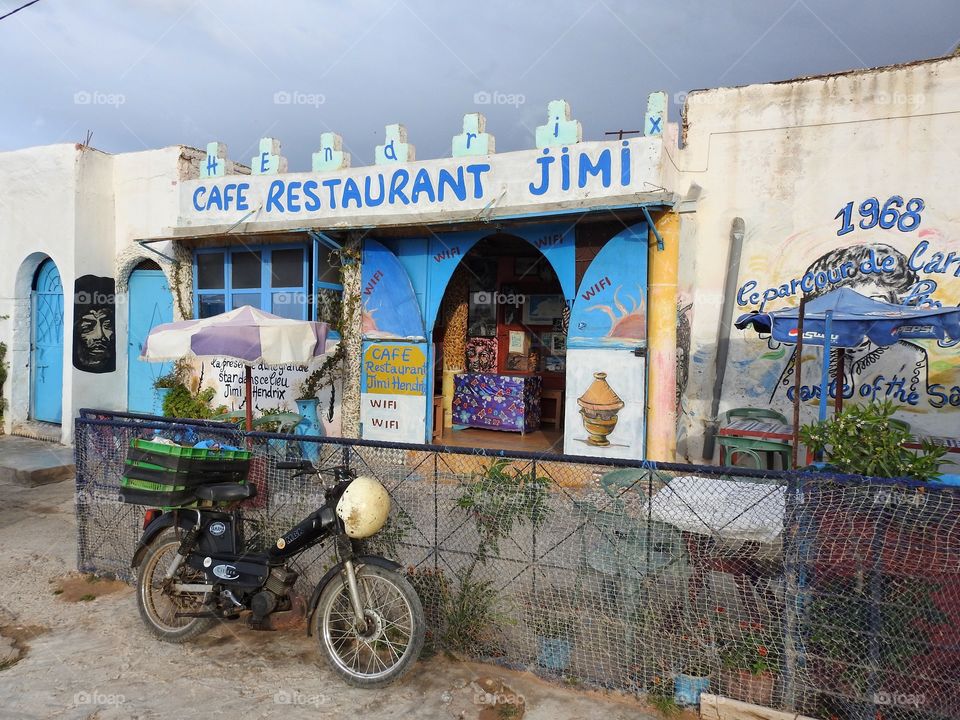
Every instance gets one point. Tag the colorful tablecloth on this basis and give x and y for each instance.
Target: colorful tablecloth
(497, 402)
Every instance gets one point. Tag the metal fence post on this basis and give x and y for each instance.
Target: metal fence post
(793, 532)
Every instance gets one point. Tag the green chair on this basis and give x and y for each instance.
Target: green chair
(750, 412)
(899, 424)
(732, 446)
(623, 557)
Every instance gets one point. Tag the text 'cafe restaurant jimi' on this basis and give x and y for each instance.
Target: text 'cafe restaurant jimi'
(487, 300)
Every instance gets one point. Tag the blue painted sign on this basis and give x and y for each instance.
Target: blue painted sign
(390, 308)
(610, 309)
(560, 172)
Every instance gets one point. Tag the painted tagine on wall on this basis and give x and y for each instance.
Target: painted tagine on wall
(599, 406)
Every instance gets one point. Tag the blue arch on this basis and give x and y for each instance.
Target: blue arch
(390, 306)
(610, 307)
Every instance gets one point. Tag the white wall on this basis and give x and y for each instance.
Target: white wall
(37, 196)
(84, 209)
(786, 158)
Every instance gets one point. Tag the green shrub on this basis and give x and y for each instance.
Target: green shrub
(861, 441)
(181, 403)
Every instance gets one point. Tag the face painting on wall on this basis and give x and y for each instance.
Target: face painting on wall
(94, 341)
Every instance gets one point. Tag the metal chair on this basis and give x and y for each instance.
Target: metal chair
(751, 412)
(899, 424)
(629, 554)
(731, 446)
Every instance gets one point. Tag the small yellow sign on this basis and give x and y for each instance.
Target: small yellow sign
(395, 369)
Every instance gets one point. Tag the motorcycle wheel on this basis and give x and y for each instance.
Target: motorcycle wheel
(158, 606)
(387, 648)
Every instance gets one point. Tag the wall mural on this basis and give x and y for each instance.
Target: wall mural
(606, 377)
(892, 252)
(94, 322)
(273, 388)
(605, 403)
(390, 308)
(610, 307)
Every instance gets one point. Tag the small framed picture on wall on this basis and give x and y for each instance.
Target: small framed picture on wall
(542, 309)
(482, 315)
(558, 343)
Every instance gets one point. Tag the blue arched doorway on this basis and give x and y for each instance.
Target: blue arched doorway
(46, 344)
(150, 303)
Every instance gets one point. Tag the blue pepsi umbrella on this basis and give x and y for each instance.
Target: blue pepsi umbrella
(854, 318)
(844, 318)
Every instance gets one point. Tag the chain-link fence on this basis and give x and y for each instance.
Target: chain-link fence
(831, 596)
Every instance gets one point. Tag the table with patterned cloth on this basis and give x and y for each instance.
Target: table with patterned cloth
(497, 402)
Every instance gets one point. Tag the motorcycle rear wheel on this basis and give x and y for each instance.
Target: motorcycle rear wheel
(158, 606)
(387, 648)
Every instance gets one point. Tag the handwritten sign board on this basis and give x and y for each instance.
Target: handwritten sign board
(393, 392)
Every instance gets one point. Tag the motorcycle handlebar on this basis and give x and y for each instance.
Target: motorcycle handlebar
(304, 465)
(339, 472)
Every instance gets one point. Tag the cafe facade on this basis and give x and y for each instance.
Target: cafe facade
(566, 298)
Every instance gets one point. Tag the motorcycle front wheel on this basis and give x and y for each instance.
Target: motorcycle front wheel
(388, 645)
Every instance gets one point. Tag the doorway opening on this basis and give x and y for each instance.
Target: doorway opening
(500, 342)
(46, 344)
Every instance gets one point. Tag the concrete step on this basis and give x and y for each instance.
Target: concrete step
(38, 431)
(29, 462)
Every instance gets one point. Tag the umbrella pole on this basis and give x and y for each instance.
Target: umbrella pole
(839, 381)
(796, 381)
(825, 369)
(248, 400)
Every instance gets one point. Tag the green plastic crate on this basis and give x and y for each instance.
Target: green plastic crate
(228, 465)
(144, 492)
(155, 473)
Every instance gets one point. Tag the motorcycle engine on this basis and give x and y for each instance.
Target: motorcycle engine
(280, 581)
(275, 589)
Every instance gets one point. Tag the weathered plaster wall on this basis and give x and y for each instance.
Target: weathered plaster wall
(84, 209)
(37, 211)
(787, 158)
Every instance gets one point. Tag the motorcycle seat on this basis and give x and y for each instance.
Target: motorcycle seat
(225, 492)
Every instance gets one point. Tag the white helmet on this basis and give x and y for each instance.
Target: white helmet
(363, 507)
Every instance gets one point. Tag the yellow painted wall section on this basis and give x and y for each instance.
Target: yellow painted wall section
(663, 278)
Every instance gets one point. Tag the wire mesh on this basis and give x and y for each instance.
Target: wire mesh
(831, 596)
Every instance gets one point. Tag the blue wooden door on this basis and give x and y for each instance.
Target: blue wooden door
(151, 304)
(46, 347)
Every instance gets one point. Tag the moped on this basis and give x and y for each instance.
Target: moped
(194, 569)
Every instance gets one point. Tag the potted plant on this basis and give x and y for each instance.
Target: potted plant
(862, 440)
(162, 387)
(748, 665)
(691, 682)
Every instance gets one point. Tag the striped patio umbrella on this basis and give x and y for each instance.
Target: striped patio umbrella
(246, 334)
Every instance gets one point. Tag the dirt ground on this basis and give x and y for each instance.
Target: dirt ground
(73, 647)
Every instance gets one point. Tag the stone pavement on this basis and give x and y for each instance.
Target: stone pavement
(88, 656)
(29, 462)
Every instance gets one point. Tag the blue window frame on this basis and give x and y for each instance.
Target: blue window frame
(271, 277)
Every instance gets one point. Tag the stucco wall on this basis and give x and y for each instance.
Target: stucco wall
(38, 198)
(787, 158)
(84, 209)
